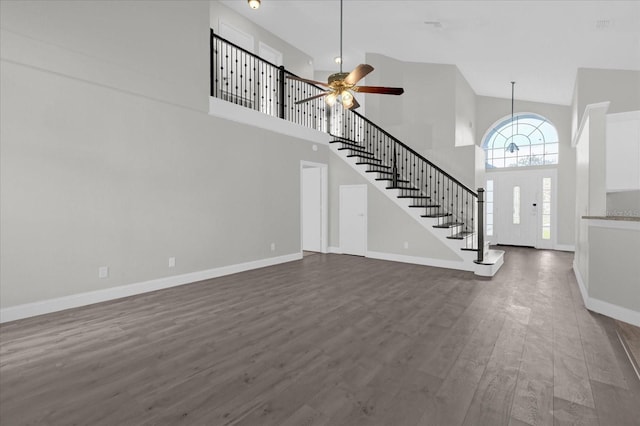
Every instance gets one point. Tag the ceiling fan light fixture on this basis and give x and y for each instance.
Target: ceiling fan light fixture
(347, 99)
(331, 99)
(254, 4)
(337, 60)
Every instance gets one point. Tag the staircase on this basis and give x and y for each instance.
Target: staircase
(435, 199)
(431, 197)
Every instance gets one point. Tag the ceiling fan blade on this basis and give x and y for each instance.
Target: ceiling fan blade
(358, 73)
(379, 90)
(290, 77)
(312, 98)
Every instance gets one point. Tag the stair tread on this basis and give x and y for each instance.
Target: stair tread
(373, 164)
(385, 172)
(403, 187)
(363, 155)
(460, 235)
(448, 225)
(352, 143)
(358, 149)
(422, 197)
(437, 215)
(397, 180)
(425, 206)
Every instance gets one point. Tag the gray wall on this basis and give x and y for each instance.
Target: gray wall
(489, 110)
(432, 114)
(613, 266)
(293, 59)
(108, 155)
(620, 87)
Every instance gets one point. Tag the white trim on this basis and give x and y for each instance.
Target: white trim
(581, 284)
(76, 300)
(324, 201)
(426, 261)
(240, 114)
(626, 350)
(564, 247)
(605, 308)
(334, 250)
(632, 225)
(585, 119)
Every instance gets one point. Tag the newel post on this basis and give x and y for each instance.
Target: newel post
(281, 87)
(480, 225)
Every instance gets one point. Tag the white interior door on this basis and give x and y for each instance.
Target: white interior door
(353, 219)
(524, 206)
(311, 209)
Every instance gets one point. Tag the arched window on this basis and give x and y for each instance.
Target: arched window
(530, 140)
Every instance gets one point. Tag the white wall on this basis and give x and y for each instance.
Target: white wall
(109, 158)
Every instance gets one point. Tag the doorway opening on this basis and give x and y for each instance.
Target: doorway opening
(313, 207)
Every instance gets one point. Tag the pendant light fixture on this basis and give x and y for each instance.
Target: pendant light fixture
(254, 4)
(512, 147)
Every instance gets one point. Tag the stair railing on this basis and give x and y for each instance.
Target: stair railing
(240, 77)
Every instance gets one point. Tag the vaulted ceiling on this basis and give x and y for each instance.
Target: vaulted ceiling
(539, 44)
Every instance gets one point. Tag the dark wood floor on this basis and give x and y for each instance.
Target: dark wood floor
(329, 340)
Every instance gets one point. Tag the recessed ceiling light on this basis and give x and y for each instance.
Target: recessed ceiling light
(254, 4)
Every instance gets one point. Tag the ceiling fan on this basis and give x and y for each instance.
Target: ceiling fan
(342, 84)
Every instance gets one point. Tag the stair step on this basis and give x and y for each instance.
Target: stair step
(350, 143)
(391, 179)
(382, 172)
(417, 197)
(406, 188)
(437, 215)
(448, 225)
(365, 156)
(369, 163)
(354, 149)
(425, 206)
(460, 235)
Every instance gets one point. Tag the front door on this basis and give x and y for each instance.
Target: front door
(521, 208)
(353, 219)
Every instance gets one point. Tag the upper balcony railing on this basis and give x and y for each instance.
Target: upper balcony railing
(240, 77)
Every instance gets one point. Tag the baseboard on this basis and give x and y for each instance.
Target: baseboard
(581, 285)
(74, 301)
(605, 308)
(426, 261)
(564, 247)
(334, 250)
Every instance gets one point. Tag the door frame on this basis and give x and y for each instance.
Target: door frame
(538, 173)
(324, 211)
(366, 215)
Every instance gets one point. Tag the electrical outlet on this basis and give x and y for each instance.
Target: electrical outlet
(103, 272)
(172, 262)
(273, 246)
(406, 244)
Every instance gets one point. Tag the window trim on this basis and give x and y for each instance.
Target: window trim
(505, 120)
